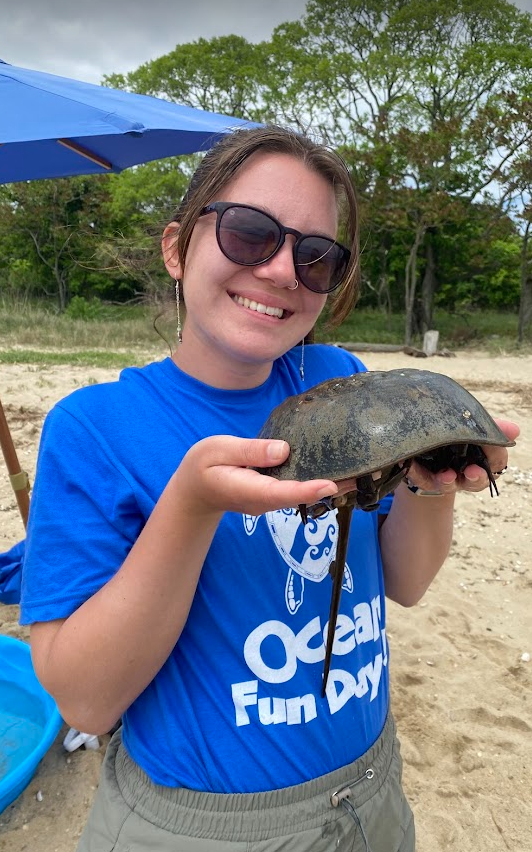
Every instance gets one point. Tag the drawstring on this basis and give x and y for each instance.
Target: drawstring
(341, 797)
(350, 810)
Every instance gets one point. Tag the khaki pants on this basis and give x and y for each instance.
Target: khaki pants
(360, 808)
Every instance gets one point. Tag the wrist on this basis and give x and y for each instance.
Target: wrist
(436, 497)
(423, 492)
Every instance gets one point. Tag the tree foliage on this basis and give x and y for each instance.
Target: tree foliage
(430, 105)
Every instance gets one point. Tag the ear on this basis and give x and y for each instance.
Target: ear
(169, 247)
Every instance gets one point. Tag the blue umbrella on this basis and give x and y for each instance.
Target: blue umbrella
(57, 127)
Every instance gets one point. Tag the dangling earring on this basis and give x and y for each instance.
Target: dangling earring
(302, 364)
(179, 335)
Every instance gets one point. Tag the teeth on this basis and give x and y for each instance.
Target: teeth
(259, 307)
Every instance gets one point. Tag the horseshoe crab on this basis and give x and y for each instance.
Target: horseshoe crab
(370, 427)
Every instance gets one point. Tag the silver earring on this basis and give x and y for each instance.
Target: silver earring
(179, 335)
(296, 285)
(302, 364)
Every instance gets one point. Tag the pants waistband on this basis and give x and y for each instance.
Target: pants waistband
(253, 816)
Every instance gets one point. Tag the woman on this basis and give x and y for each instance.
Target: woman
(168, 584)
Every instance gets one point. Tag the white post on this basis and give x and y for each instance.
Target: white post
(430, 342)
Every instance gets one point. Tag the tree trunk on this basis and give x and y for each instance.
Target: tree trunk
(410, 283)
(525, 300)
(428, 287)
(62, 287)
(384, 298)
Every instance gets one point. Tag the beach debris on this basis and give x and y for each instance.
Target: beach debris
(369, 428)
(525, 657)
(75, 739)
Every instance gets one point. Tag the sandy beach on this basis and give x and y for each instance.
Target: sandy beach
(460, 675)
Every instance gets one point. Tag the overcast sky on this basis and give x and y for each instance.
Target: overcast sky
(86, 40)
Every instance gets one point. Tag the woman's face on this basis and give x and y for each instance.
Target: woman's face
(227, 341)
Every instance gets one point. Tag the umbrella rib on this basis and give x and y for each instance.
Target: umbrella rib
(84, 152)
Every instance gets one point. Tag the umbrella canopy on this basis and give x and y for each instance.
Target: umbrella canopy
(57, 127)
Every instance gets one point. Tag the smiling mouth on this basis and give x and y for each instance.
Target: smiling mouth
(259, 307)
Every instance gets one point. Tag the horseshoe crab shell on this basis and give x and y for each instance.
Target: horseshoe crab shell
(355, 425)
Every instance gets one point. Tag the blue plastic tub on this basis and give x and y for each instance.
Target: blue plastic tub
(29, 720)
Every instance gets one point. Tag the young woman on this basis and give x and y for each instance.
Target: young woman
(170, 585)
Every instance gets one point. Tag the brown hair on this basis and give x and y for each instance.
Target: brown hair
(227, 157)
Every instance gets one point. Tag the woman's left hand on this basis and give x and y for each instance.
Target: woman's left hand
(473, 478)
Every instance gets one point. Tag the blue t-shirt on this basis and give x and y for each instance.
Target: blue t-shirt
(237, 706)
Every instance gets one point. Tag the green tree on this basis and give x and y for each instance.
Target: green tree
(518, 185)
(415, 94)
(219, 75)
(51, 223)
(142, 202)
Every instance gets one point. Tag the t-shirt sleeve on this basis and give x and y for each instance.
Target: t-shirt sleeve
(84, 519)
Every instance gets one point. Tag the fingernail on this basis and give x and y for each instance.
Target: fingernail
(276, 450)
(326, 491)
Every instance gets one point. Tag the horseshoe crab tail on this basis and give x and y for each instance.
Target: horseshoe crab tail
(482, 461)
(344, 521)
(491, 478)
(302, 508)
(493, 484)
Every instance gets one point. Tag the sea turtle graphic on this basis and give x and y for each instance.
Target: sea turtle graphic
(308, 549)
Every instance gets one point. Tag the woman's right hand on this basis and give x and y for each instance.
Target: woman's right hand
(132, 623)
(218, 476)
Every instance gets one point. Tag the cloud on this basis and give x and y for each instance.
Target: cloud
(87, 41)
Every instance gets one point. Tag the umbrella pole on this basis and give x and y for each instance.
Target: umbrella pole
(19, 478)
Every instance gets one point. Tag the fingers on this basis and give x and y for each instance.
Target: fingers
(510, 429)
(474, 477)
(242, 452)
(219, 476)
(345, 486)
(443, 481)
(266, 493)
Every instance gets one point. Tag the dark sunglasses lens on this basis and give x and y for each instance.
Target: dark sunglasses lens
(247, 236)
(321, 263)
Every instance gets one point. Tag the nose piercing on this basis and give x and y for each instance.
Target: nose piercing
(296, 285)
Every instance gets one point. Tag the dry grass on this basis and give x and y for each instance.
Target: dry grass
(115, 336)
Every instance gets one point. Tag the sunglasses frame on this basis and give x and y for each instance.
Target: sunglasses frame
(221, 207)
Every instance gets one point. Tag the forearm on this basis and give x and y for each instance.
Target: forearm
(104, 655)
(415, 539)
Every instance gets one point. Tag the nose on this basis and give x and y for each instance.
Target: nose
(279, 269)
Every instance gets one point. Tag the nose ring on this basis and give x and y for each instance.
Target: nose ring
(296, 285)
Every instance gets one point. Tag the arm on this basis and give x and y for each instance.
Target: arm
(99, 659)
(416, 535)
(415, 539)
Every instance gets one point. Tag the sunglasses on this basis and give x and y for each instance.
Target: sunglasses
(250, 237)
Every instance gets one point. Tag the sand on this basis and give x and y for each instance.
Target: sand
(461, 682)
